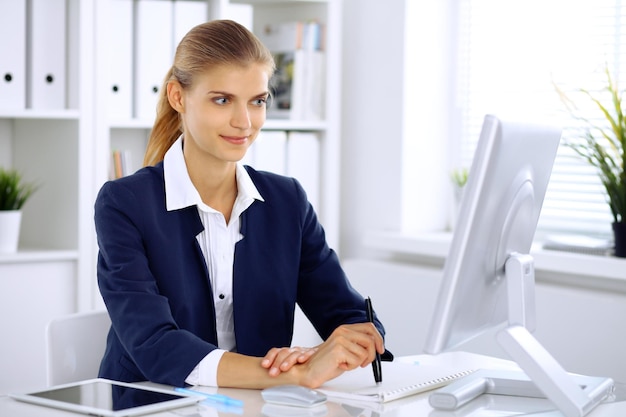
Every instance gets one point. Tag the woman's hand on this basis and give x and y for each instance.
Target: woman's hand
(279, 360)
(348, 347)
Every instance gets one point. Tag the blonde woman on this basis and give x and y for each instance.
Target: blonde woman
(202, 260)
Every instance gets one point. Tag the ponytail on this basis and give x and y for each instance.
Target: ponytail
(166, 129)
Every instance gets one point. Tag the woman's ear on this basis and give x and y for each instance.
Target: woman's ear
(175, 96)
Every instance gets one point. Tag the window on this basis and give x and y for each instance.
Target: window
(510, 52)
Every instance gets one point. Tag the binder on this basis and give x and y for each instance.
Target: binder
(187, 14)
(13, 55)
(303, 163)
(46, 54)
(270, 152)
(313, 106)
(153, 52)
(120, 60)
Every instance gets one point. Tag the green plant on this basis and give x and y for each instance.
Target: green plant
(459, 176)
(601, 141)
(13, 190)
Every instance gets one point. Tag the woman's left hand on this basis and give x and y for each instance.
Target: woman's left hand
(279, 360)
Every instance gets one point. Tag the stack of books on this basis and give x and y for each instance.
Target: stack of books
(297, 86)
(121, 164)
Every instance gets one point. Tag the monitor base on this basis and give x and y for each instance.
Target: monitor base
(541, 375)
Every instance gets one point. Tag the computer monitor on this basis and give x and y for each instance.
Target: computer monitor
(488, 277)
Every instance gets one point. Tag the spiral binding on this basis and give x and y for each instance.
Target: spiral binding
(432, 383)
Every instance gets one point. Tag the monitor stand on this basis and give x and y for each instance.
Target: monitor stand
(542, 375)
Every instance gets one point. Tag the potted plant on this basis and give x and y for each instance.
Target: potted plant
(14, 192)
(601, 141)
(458, 176)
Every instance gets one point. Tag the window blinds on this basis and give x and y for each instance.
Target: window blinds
(511, 54)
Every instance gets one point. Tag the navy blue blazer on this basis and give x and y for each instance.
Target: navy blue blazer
(156, 286)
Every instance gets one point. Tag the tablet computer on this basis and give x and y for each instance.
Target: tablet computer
(103, 397)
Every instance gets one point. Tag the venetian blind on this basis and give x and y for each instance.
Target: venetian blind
(511, 54)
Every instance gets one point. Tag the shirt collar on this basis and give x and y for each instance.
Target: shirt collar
(180, 191)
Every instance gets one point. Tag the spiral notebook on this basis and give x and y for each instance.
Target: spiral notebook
(400, 378)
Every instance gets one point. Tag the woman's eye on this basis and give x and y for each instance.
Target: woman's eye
(221, 100)
(260, 101)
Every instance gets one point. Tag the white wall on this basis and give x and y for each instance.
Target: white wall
(372, 122)
(397, 108)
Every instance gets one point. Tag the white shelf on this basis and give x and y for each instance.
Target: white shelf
(270, 124)
(38, 255)
(69, 114)
(131, 124)
(295, 125)
(267, 2)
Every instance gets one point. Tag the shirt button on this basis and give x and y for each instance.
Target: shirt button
(221, 296)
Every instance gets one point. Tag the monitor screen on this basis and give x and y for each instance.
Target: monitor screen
(498, 216)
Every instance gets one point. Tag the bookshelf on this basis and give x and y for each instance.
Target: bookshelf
(49, 143)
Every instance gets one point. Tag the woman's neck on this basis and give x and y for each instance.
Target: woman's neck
(217, 185)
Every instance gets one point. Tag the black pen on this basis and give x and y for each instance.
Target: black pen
(376, 365)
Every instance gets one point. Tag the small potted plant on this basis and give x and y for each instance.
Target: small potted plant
(458, 176)
(600, 139)
(14, 192)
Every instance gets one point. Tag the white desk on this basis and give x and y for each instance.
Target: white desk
(414, 406)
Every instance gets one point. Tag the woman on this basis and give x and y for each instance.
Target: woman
(202, 260)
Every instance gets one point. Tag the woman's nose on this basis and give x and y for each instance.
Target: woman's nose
(241, 117)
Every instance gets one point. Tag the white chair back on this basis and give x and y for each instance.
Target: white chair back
(75, 345)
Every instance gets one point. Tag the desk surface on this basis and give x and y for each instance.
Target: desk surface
(417, 405)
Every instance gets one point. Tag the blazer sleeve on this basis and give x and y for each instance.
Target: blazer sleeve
(324, 291)
(145, 335)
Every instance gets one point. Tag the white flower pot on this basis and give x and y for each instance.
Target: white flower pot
(10, 221)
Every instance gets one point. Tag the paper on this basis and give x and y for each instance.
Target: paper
(400, 379)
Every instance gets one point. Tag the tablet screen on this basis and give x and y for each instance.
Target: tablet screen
(109, 398)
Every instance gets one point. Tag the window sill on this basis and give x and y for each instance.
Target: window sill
(564, 268)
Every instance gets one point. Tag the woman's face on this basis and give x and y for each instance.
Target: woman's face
(224, 110)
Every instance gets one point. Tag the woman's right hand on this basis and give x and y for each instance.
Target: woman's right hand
(348, 347)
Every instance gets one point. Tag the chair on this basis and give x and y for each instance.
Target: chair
(75, 345)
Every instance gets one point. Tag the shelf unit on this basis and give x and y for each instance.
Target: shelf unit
(54, 148)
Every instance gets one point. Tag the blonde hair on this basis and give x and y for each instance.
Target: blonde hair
(210, 44)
